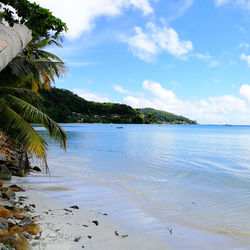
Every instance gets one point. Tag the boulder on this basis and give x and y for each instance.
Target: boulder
(36, 169)
(15, 229)
(4, 225)
(3, 232)
(11, 222)
(25, 221)
(20, 216)
(7, 204)
(8, 194)
(18, 210)
(27, 235)
(75, 207)
(32, 228)
(5, 213)
(17, 240)
(5, 173)
(16, 188)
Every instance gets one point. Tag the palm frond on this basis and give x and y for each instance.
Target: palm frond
(21, 131)
(22, 70)
(46, 54)
(27, 94)
(34, 115)
(45, 42)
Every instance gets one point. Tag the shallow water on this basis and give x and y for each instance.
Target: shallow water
(159, 175)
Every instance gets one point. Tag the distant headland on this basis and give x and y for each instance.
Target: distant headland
(63, 106)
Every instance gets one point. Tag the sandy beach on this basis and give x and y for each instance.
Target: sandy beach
(66, 227)
(73, 228)
(124, 125)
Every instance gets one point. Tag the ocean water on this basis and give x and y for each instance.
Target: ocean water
(157, 175)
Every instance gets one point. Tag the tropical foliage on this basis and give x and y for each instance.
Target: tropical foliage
(40, 20)
(33, 69)
(17, 113)
(64, 106)
(165, 117)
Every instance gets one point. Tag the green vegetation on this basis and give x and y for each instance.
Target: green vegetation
(164, 117)
(28, 77)
(64, 106)
(32, 69)
(40, 20)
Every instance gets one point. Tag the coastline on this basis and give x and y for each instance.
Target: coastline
(68, 228)
(65, 228)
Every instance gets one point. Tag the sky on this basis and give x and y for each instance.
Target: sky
(188, 57)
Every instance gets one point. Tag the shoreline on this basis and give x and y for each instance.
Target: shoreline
(62, 226)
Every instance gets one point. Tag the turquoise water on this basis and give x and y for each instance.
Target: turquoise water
(190, 175)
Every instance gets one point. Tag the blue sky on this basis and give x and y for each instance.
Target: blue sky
(188, 57)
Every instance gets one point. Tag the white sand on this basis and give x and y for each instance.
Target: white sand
(60, 228)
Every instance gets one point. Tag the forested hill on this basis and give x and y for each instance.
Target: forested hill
(165, 117)
(63, 106)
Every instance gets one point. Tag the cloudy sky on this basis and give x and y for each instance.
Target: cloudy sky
(189, 57)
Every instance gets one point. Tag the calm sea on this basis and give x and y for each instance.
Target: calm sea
(156, 175)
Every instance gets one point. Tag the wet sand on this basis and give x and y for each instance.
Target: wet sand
(63, 227)
(70, 228)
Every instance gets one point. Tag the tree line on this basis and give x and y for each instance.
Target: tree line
(66, 107)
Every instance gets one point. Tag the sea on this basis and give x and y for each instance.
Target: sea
(157, 178)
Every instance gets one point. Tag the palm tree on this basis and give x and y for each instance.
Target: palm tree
(34, 68)
(16, 114)
(44, 64)
(30, 70)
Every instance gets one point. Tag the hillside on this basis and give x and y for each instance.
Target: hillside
(165, 117)
(64, 106)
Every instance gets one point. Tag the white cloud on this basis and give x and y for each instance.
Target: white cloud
(141, 45)
(80, 15)
(147, 44)
(244, 45)
(86, 94)
(246, 58)
(157, 90)
(243, 4)
(245, 91)
(208, 59)
(120, 89)
(215, 109)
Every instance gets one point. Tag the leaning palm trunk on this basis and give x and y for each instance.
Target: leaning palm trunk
(17, 108)
(12, 41)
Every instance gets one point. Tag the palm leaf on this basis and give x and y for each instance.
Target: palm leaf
(50, 55)
(21, 131)
(21, 92)
(45, 42)
(34, 115)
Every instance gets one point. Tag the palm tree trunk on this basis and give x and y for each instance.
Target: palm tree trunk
(12, 41)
